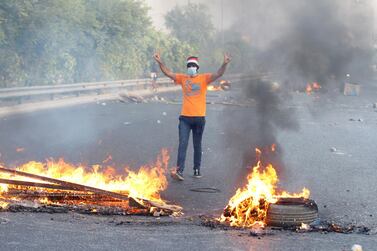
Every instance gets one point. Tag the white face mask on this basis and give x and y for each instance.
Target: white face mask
(191, 71)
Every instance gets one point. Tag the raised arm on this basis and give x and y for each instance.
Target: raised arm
(163, 67)
(222, 69)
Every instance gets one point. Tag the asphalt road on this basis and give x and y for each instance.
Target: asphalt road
(342, 182)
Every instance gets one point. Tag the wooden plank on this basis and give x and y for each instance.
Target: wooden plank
(173, 208)
(35, 184)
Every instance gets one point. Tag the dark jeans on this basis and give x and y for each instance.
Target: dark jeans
(186, 124)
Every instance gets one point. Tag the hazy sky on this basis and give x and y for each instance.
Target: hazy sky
(160, 7)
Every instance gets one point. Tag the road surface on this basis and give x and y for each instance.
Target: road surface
(332, 154)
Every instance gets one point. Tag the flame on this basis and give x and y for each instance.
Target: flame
(273, 147)
(304, 226)
(311, 87)
(146, 183)
(316, 86)
(20, 149)
(249, 205)
(214, 88)
(3, 204)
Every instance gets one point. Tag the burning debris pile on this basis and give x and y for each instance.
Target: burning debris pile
(249, 206)
(59, 186)
(312, 87)
(223, 85)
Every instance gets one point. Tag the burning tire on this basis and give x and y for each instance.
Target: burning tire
(291, 212)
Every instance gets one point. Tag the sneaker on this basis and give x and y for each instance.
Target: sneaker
(177, 175)
(197, 173)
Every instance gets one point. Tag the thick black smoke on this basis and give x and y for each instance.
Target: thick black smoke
(311, 41)
(300, 41)
(257, 126)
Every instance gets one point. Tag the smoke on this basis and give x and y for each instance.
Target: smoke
(300, 41)
(307, 41)
(258, 126)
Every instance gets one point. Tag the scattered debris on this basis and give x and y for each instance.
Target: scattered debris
(357, 247)
(326, 227)
(351, 89)
(124, 97)
(258, 231)
(157, 98)
(336, 151)
(3, 221)
(164, 113)
(103, 104)
(317, 226)
(158, 121)
(359, 119)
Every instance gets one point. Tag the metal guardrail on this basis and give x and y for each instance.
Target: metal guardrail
(24, 93)
(21, 94)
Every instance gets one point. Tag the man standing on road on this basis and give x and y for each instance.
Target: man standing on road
(192, 118)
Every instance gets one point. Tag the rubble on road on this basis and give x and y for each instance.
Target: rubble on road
(319, 226)
(351, 89)
(359, 119)
(127, 98)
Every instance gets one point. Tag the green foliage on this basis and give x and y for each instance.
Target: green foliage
(65, 41)
(191, 23)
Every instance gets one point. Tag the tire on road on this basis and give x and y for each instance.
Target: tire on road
(291, 212)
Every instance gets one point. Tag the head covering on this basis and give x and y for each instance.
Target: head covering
(193, 60)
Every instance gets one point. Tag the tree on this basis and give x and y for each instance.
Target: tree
(191, 23)
(65, 41)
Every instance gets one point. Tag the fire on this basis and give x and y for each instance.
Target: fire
(304, 226)
(248, 206)
(223, 85)
(273, 147)
(214, 88)
(3, 204)
(146, 183)
(20, 149)
(311, 87)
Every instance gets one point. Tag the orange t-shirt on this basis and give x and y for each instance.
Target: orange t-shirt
(194, 93)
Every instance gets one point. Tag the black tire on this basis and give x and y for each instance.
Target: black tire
(291, 212)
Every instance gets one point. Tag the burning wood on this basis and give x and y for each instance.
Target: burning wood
(248, 207)
(138, 190)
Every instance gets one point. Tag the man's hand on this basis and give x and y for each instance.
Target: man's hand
(157, 57)
(163, 68)
(227, 58)
(221, 71)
